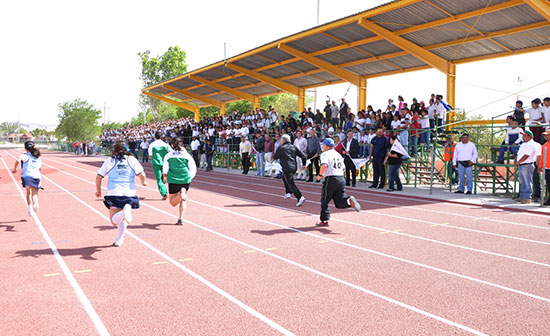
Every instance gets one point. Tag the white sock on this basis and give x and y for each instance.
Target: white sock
(118, 217)
(121, 230)
(29, 207)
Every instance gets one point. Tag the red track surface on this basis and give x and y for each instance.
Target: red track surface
(248, 262)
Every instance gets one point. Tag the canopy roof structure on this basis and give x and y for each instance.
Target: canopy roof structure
(398, 37)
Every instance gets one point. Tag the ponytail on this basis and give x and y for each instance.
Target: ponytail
(177, 144)
(29, 146)
(119, 151)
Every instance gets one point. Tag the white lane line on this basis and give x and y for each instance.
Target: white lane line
(537, 297)
(100, 327)
(356, 224)
(475, 218)
(209, 284)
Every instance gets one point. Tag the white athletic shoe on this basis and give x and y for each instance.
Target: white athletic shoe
(29, 208)
(287, 196)
(35, 203)
(301, 201)
(118, 243)
(353, 202)
(127, 212)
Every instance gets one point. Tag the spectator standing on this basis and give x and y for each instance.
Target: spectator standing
(313, 152)
(132, 145)
(301, 143)
(378, 148)
(394, 159)
(144, 150)
(535, 119)
(195, 150)
(259, 148)
(519, 113)
(343, 111)
(464, 157)
(350, 152)
(544, 165)
(328, 112)
(208, 148)
(525, 159)
(287, 154)
(449, 149)
(334, 110)
(269, 147)
(244, 150)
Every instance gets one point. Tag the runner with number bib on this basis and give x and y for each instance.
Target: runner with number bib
(334, 185)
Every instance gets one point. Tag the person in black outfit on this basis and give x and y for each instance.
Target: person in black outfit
(287, 154)
(328, 111)
(343, 111)
(313, 152)
(378, 148)
(350, 150)
(132, 145)
(394, 160)
(209, 151)
(519, 113)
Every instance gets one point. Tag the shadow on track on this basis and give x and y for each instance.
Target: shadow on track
(85, 253)
(146, 226)
(10, 228)
(304, 229)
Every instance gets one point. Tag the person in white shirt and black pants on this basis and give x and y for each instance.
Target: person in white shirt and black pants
(332, 169)
(244, 150)
(464, 157)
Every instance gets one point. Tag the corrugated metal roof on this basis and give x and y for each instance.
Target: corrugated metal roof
(180, 96)
(223, 97)
(336, 43)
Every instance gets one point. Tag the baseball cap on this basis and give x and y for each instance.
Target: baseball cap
(529, 133)
(328, 142)
(546, 133)
(29, 144)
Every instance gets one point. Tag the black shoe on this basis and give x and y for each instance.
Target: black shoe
(459, 192)
(547, 202)
(310, 180)
(372, 186)
(468, 193)
(180, 222)
(347, 184)
(242, 173)
(381, 187)
(390, 190)
(322, 224)
(353, 185)
(400, 189)
(317, 181)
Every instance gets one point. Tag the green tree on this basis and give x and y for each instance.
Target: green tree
(157, 69)
(8, 127)
(78, 121)
(111, 125)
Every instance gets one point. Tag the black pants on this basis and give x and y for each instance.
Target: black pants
(196, 158)
(245, 158)
(547, 180)
(350, 168)
(290, 186)
(342, 121)
(536, 182)
(378, 172)
(209, 161)
(314, 162)
(334, 189)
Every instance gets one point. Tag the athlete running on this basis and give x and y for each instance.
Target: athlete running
(30, 174)
(121, 169)
(178, 170)
(157, 150)
(334, 185)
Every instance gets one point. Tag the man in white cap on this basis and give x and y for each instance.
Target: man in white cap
(334, 185)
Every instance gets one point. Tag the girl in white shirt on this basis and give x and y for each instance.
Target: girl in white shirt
(30, 174)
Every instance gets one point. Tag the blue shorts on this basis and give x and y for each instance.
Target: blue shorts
(120, 201)
(30, 182)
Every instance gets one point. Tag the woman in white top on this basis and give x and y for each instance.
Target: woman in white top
(121, 198)
(30, 174)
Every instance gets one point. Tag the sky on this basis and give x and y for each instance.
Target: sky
(57, 51)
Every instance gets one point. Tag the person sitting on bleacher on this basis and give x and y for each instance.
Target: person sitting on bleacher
(512, 139)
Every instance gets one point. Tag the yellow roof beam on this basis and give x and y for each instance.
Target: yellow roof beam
(193, 95)
(271, 81)
(188, 107)
(541, 6)
(343, 74)
(430, 58)
(231, 91)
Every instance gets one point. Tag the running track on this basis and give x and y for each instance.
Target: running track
(248, 262)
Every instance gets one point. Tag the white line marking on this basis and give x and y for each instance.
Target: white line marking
(76, 287)
(347, 244)
(215, 288)
(352, 223)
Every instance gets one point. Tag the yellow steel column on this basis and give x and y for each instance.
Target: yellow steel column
(362, 94)
(451, 80)
(256, 102)
(222, 109)
(197, 113)
(301, 100)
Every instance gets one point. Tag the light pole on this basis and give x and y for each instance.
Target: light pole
(146, 53)
(315, 92)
